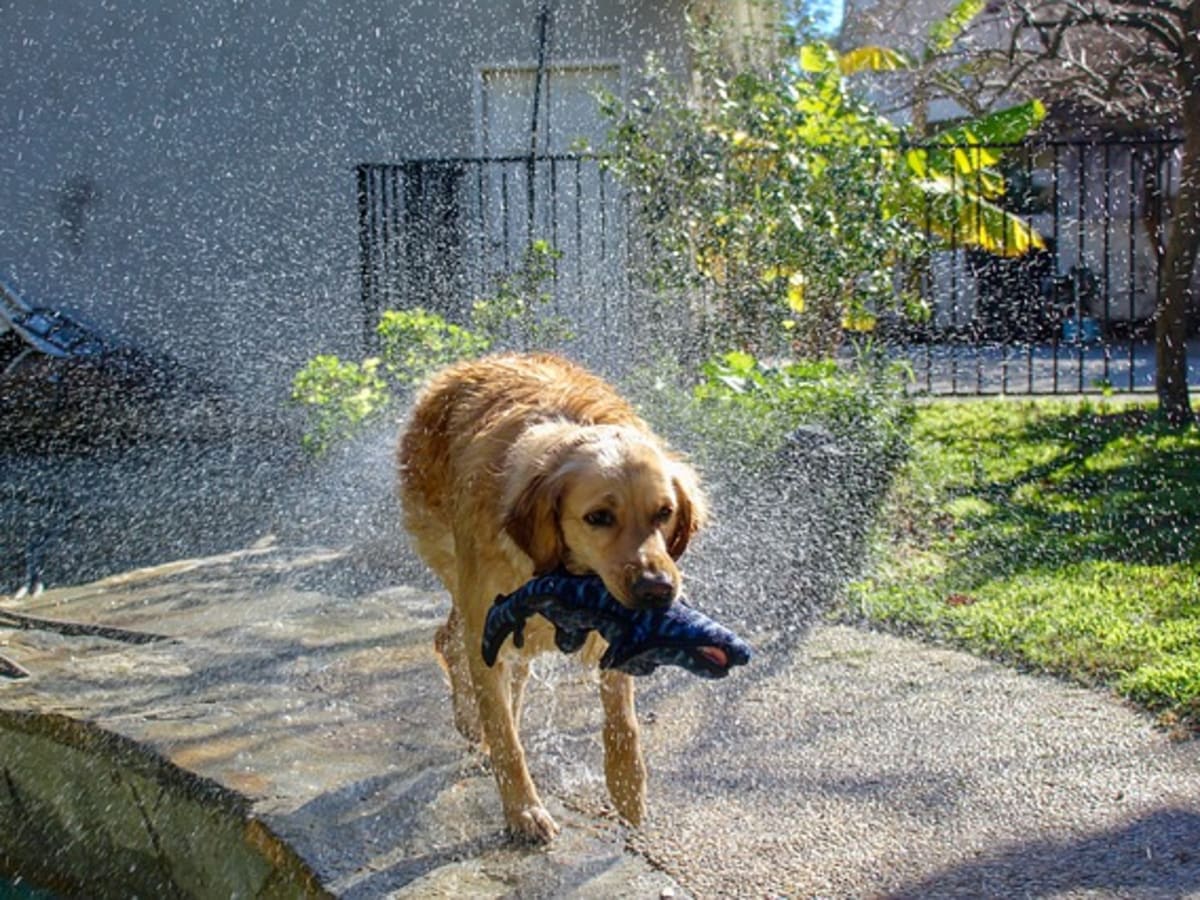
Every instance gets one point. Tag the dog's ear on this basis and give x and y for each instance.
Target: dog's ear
(531, 520)
(691, 508)
(532, 491)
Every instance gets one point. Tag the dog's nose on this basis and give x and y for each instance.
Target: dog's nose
(653, 589)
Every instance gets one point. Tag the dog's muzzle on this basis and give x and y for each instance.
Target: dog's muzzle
(652, 590)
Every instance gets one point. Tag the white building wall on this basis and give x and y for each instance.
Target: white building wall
(181, 174)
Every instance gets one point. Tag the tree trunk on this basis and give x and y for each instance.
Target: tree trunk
(1179, 259)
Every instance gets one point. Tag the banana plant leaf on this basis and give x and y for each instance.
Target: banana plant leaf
(966, 219)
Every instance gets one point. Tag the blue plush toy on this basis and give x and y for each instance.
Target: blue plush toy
(639, 641)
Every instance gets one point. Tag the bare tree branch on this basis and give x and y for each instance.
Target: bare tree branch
(1167, 29)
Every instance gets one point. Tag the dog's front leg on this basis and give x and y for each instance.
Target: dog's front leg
(524, 813)
(518, 677)
(624, 770)
(523, 810)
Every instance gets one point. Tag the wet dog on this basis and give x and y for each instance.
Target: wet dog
(517, 465)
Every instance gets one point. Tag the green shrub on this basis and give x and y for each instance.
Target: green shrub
(739, 413)
(414, 343)
(516, 311)
(778, 194)
(338, 397)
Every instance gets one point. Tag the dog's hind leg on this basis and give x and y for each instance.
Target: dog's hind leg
(435, 544)
(448, 643)
(624, 770)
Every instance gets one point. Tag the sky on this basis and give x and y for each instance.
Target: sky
(832, 9)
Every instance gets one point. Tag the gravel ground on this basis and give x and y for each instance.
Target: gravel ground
(869, 765)
(859, 764)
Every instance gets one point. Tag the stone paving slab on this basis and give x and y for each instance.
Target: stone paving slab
(852, 764)
(327, 712)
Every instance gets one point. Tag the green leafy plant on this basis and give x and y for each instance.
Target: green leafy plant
(767, 202)
(415, 342)
(339, 397)
(945, 31)
(863, 405)
(516, 311)
(739, 413)
(786, 204)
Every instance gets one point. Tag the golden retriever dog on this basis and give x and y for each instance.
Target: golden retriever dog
(516, 465)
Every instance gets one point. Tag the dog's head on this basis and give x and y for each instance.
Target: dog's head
(603, 499)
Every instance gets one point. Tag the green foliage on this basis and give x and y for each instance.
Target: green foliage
(956, 183)
(864, 404)
(414, 343)
(787, 204)
(944, 32)
(338, 397)
(995, 130)
(1061, 535)
(738, 414)
(774, 200)
(872, 59)
(516, 310)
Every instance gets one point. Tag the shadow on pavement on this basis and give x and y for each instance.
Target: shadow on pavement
(1157, 855)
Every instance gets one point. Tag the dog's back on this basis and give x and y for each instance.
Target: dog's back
(496, 397)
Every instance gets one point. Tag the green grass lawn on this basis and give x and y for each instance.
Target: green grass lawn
(1061, 536)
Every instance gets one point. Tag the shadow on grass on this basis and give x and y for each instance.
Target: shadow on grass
(1122, 487)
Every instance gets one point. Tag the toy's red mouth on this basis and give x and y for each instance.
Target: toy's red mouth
(714, 655)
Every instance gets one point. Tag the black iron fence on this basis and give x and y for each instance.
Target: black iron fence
(1076, 316)
(1073, 317)
(442, 233)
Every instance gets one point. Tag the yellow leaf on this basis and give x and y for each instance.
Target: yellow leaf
(858, 321)
(795, 292)
(818, 57)
(969, 219)
(872, 59)
(973, 159)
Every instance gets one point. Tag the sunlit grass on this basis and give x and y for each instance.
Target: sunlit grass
(1057, 535)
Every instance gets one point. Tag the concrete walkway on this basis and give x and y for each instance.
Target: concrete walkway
(850, 764)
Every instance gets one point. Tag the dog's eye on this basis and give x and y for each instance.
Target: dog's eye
(600, 518)
(663, 515)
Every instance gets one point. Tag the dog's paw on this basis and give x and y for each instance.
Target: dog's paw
(532, 824)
